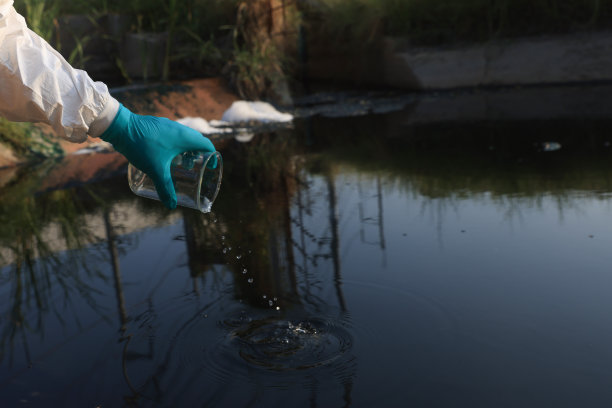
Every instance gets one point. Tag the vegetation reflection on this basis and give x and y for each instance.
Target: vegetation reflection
(258, 231)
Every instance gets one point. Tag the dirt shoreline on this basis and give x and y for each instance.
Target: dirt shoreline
(208, 98)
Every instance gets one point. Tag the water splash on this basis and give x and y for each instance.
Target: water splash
(285, 345)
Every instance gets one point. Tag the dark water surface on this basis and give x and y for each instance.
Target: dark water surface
(357, 261)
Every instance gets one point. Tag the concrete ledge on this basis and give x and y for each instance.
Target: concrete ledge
(390, 61)
(513, 104)
(554, 60)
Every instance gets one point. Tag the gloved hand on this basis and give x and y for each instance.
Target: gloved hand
(150, 143)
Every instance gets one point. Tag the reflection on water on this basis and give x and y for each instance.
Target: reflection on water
(347, 262)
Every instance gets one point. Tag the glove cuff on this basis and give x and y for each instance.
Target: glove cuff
(104, 118)
(115, 132)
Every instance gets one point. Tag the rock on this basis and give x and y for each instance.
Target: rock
(7, 157)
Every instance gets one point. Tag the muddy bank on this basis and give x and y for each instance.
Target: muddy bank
(207, 98)
(92, 160)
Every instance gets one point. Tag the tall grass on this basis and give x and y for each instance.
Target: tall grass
(195, 27)
(41, 15)
(444, 21)
(201, 30)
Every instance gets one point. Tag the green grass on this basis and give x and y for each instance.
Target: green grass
(196, 27)
(15, 135)
(203, 32)
(28, 141)
(430, 22)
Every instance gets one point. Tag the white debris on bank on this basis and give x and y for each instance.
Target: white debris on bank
(203, 126)
(244, 111)
(241, 112)
(245, 137)
(99, 147)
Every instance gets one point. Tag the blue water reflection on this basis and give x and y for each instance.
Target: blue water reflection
(420, 276)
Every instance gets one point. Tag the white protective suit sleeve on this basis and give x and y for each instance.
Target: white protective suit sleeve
(38, 85)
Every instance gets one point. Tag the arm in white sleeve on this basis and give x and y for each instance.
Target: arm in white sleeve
(38, 85)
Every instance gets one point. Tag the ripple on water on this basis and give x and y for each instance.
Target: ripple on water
(282, 344)
(232, 344)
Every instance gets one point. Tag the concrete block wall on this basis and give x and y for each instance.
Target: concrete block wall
(392, 62)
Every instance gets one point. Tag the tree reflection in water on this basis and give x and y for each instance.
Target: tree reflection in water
(250, 235)
(256, 262)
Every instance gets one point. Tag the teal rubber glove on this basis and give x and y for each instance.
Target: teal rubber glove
(150, 143)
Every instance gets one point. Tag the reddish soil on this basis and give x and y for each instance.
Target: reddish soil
(207, 98)
(81, 168)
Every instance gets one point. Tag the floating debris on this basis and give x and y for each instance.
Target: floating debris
(550, 146)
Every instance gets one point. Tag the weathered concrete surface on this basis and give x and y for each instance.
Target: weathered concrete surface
(564, 59)
(576, 58)
(513, 104)
(562, 104)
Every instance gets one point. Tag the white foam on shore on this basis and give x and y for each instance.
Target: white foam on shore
(245, 111)
(99, 147)
(239, 112)
(244, 137)
(202, 125)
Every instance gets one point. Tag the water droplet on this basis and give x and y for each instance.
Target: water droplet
(250, 280)
(238, 256)
(277, 308)
(244, 271)
(225, 250)
(270, 303)
(264, 296)
(222, 237)
(275, 298)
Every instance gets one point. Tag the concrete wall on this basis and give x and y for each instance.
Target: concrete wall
(543, 60)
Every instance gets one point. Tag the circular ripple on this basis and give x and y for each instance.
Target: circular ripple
(224, 344)
(283, 345)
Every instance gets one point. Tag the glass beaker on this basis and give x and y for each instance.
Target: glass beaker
(195, 180)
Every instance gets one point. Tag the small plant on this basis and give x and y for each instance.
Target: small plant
(262, 56)
(254, 69)
(41, 15)
(446, 21)
(27, 140)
